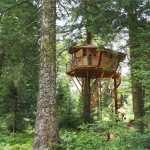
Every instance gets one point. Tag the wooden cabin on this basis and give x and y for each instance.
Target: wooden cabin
(90, 61)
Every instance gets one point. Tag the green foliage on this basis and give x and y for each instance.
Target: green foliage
(19, 59)
(96, 139)
(82, 140)
(67, 102)
(16, 142)
(85, 137)
(68, 116)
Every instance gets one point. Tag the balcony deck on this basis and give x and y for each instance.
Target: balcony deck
(90, 71)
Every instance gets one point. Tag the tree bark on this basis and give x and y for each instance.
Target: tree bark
(86, 100)
(46, 132)
(89, 37)
(137, 90)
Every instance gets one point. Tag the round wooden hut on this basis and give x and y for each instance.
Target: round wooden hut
(88, 63)
(88, 60)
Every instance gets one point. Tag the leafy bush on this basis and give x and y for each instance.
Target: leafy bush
(86, 137)
(16, 142)
(81, 140)
(95, 138)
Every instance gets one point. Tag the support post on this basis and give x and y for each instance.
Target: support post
(88, 37)
(100, 100)
(86, 100)
(115, 96)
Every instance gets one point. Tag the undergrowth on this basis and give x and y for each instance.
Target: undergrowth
(86, 137)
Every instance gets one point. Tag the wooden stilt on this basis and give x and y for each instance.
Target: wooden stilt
(76, 85)
(99, 102)
(115, 96)
(86, 100)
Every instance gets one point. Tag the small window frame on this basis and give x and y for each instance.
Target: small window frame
(84, 52)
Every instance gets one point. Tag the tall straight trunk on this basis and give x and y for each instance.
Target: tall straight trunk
(46, 133)
(17, 123)
(89, 37)
(2, 56)
(138, 99)
(15, 113)
(86, 91)
(86, 95)
(137, 90)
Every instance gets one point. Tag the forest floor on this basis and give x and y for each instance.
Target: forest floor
(19, 141)
(83, 139)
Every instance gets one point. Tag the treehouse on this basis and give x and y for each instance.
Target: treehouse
(90, 61)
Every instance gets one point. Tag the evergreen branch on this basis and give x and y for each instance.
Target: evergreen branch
(14, 6)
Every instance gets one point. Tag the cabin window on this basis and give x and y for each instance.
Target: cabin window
(90, 59)
(94, 54)
(110, 56)
(84, 52)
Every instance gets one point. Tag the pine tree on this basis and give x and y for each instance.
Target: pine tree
(46, 134)
(19, 58)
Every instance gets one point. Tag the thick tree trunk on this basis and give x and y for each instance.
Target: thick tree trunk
(86, 91)
(138, 103)
(89, 37)
(86, 88)
(46, 134)
(137, 90)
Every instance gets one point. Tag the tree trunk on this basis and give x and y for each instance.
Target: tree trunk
(89, 37)
(86, 88)
(137, 90)
(86, 100)
(46, 133)
(138, 103)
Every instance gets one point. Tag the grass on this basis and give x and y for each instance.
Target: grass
(19, 141)
(83, 139)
